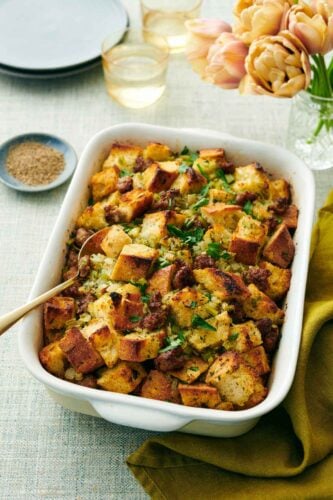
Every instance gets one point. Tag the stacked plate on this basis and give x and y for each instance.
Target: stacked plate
(40, 39)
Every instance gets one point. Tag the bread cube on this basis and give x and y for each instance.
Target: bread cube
(189, 181)
(80, 353)
(104, 183)
(259, 306)
(128, 310)
(187, 302)
(154, 225)
(201, 338)
(53, 359)
(159, 177)
(161, 280)
(257, 359)
(279, 189)
(57, 311)
(280, 248)
(93, 217)
(216, 195)
(224, 285)
(251, 178)
(133, 204)
(141, 346)
(160, 386)
(212, 154)
(199, 395)
(248, 239)
(114, 241)
(236, 381)
(104, 339)
(243, 337)
(157, 152)
(124, 377)
(191, 371)
(278, 281)
(226, 215)
(219, 234)
(123, 156)
(134, 262)
(101, 308)
(290, 217)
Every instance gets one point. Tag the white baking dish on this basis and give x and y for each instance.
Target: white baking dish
(159, 415)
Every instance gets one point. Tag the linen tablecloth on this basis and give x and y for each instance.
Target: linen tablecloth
(48, 452)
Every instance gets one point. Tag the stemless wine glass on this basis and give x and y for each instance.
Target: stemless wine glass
(168, 18)
(135, 69)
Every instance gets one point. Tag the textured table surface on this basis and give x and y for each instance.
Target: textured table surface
(46, 451)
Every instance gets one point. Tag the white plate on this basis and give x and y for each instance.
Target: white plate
(148, 413)
(46, 35)
(47, 75)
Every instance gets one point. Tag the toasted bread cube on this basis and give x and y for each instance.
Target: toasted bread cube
(133, 204)
(280, 248)
(123, 156)
(128, 310)
(191, 371)
(201, 338)
(104, 339)
(134, 262)
(79, 352)
(53, 359)
(199, 395)
(219, 234)
(104, 183)
(259, 306)
(278, 281)
(93, 217)
(257, 359)
(57, 311)
(279, 189)
(157, 152)
(290, 217)
(247, 240)
(159, 177)
(187, 302)
(160, 386)
(141, 346)
(251, 178)
(189, 181)
(114, 241)
(224, 285)
(210, 160)
(212, 154)
(161, 280)
(236, 381)
(261, 209)
(216, 195)
(124, 377)
(154, 226)
(225, 405)
(225, 215)
(101, 308)
(243, 337)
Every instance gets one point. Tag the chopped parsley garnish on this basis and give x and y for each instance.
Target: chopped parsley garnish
(161, 262)
(200, 203)
(172, 343)
(248, 207)
(233, 336)
(142, 285)
(194, 368)
(183, 168)
(199, 322)
(205, 189)
(193, 304)
(185, 151)
(124, 173)
(127, 227)
(189, 237)
(279, 220)
(217, 252)
(202, 172)
(222, 176)
(134, 319)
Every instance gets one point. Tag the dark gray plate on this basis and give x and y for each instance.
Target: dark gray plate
(49, 140)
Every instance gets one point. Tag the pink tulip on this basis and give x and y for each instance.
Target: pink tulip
(201, 35)
(323, 7)
(226, 61)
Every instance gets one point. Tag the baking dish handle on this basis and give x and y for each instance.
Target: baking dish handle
(144, 418)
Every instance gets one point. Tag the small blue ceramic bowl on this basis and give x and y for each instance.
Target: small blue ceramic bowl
(48, 140)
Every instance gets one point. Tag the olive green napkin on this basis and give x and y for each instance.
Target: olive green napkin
(289, 454)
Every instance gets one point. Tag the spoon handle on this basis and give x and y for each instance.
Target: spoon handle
(7, 320)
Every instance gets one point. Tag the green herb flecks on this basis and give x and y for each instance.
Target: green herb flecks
(216, 251)
(233, 336)
(199, 322)
(222, 176)
(161, 262)
(183, 168)
(248, 207)
(200, 203)
(134, 319)
(190, 237)
(173, 342)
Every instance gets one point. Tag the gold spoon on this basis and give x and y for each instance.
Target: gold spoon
(90, 246)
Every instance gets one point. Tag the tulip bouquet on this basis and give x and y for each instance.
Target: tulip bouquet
(275, 47)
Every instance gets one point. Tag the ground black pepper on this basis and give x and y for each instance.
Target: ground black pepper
(34, 163)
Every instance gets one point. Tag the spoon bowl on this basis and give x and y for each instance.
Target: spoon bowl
(90, 246)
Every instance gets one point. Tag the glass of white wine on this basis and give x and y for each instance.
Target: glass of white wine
(167, 17)
(135, 68)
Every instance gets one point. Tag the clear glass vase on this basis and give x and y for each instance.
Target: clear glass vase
(310, 130)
